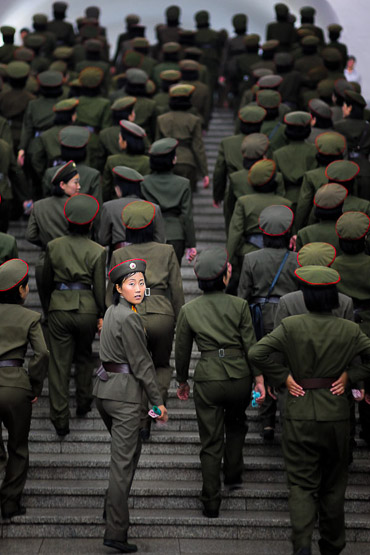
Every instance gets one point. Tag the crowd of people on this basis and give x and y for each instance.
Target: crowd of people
(103, 156)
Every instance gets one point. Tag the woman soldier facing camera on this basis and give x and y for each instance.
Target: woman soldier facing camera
(127, 370)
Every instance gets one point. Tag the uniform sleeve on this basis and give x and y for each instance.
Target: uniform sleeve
(27, 129)
(38, 158)
(246, 280)
(247, 332)
(281, 312)
(187, 218)
(105, 228)
(139, 358)
(159, 229)
(263, 363)
(236, 230)
(198, 149)
(183, 347)
(33, 232)
(107, 183)
(304, 205)
(360, 371)
(38, 363)
(47, 277)
(98, 281)
(220, 175)
(175, 283)
(106, 118)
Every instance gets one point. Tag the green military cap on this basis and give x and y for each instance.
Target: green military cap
(66, 105)
(119, 77)
(59, 65)
(81, 209)
(211, 263)
(276, 220)
(181, 90)
(50, 79)
(34, 40)
(335, 28)
(261, 72)
(255, 145)
(330, 196)
(23, 54)
(305, 32)
(127, 174)
(140, 42)
(320, 108)
(298, 119)
(138, 214)
(325, 88)
(93, 12)
(17, 70)
(91, 77)
(132, 128)
(270, 81)
(341, 86)
(251, 40)
(74, 136)
(172, 13)
(170, 75)
(352, 225)
(270, 45)
(316, 254)
(317, 73)
(283, 59)
(12, 272)
(133, 59)
(65, 173)
(202, 17)
(331, 55)
(317, 276)
(40, 19)
(239, 21)
(193, 51)
(341, 171)
(123, 103)
(63, 53)
(150, 87)
(189, 65)
(136, 76)
(310, 40)
(126, 267)
(307, 11)
(7, 31)
(89, 31)
(268, 99)
(93, 45)
(60, 7)
(354, 98)
(171, 47)
(163, 146)
(32, 84)
(261, 173)
(132, 19)
(281, 9)
(330, 143)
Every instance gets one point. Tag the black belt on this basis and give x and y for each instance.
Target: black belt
(222, 353)
(263, 300)
(72, 286)
(120, 245)
(150, 291)
(11, 362)
(117, 368)
(316, 383)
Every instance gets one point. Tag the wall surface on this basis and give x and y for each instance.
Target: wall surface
(352, 15)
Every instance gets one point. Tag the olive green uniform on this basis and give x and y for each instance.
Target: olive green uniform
(72, 316)
(324, 231)
(311, 183)
(210, 42)
(145, 113)
(201, 100)
(107, 145)
(172, 193)
(275, 130)
(13, 104)
(63, 30)
(18, 327)
(229, 160)
(12, 183)
(163, 66)
(138, 162)
(104, 66)
(8, 247)
(316, 425)
(7, 53)
(222, 386)
(95, 114)
(119, 402)
(47, 150)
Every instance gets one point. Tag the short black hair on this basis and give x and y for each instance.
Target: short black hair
(162, 163)
(276, 242)
(209, 285)
(12, 296)
(352, 247)
(75, 154)
(268, 187)
(77, 229)
(180, 103)
(135, 145)
(249, 128)
(328, 213)
(136, 236)
(297, 132)
(128, 188)
(320, 299)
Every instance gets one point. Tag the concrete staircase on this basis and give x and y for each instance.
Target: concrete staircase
(67, 479)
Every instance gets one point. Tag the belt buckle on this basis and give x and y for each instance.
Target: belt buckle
(147, 292)
(221, 353)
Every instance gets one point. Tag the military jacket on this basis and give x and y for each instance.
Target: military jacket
(8, 247)
(101, 65)
(283, 31)
(47, 221)
(138, 162)
(201, 100)
(111, 229)
(162, 100)
(229, 160)
(7, 53)
(18, 327)
(94, 113)
(293, 303)
(186, 128)
(215, 321)
(275, 130)
(107, 145)
(162, 273)
(63, 32)
(163, 66)
(11, 176)
(307, 62)
(311, 183)
(122, 340)
(354, 272)
(173, 194)
(75, 258)
(38, 117)
(323, 231)
(13, 104)
(47, 150)
(314, 345)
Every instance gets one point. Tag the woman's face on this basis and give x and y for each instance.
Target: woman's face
(132, 288)
(72, 186)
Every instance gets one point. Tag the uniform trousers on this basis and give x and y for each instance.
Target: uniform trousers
(122, 420)
(220, 408)
(71, 335)
(316, 461)
(179, 248)
(15, 413)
